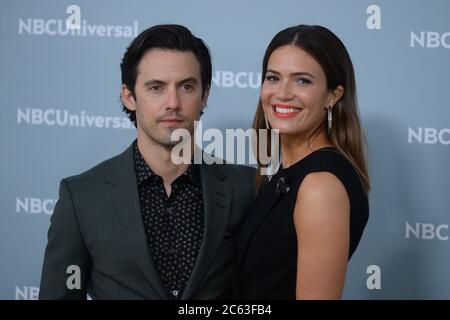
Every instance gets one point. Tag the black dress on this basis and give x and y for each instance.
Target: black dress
(267, 244)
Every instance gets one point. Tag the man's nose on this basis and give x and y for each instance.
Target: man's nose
(173, 99)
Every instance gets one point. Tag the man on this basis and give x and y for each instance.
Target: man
(139, 226)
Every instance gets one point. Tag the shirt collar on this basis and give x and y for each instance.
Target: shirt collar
(144, 172)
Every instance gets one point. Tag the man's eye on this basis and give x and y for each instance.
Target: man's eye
(188, 87)
(155, 88)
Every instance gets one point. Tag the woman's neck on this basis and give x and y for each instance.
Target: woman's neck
(294, 147)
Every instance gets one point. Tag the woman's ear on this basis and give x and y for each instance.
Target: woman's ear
(336, 94)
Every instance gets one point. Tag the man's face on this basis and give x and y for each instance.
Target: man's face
(168, 94)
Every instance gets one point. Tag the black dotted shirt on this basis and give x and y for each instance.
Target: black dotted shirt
(174, 225)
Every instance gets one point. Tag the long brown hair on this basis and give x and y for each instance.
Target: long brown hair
(329, 51)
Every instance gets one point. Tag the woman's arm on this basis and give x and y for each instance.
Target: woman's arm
(322, 224)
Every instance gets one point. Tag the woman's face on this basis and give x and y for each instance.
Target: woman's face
(294, 93)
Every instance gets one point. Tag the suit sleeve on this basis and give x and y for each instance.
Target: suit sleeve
(65, 249)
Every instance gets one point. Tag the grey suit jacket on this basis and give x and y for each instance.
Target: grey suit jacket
(97, 226)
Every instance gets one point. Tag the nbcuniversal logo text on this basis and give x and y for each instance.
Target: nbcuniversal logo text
(35, 205)
(426, 231)
(64, 118)
(241, 79)
(429, 135)
(429, 39)
(54, 27)
(31, 293)
(73, 25)
(27, 293)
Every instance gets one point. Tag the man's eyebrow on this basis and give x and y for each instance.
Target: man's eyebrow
(189, 79)
(161, 82)
(153, 82)
(292, 74)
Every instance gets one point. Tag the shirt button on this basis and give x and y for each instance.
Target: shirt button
(169, 210)
(172, 250)
(175, 293)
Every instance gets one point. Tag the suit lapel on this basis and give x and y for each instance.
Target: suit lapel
(217, 195)
(126, 213)
(266, 199)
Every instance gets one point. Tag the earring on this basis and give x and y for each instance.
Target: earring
(330, 119)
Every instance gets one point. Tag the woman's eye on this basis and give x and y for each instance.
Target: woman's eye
(271, 78)
(303, 81)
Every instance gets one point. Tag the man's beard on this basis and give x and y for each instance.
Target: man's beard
(164, 139)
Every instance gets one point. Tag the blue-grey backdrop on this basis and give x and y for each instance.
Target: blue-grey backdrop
(60, 115)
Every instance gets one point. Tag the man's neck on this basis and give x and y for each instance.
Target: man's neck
(158, 158)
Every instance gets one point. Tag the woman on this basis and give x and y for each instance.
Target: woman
(308, 218)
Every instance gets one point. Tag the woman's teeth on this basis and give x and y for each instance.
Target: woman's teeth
(286, 110)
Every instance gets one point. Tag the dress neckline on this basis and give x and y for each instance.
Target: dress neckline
(295, 164)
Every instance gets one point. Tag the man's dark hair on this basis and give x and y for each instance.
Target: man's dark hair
(167, 37)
